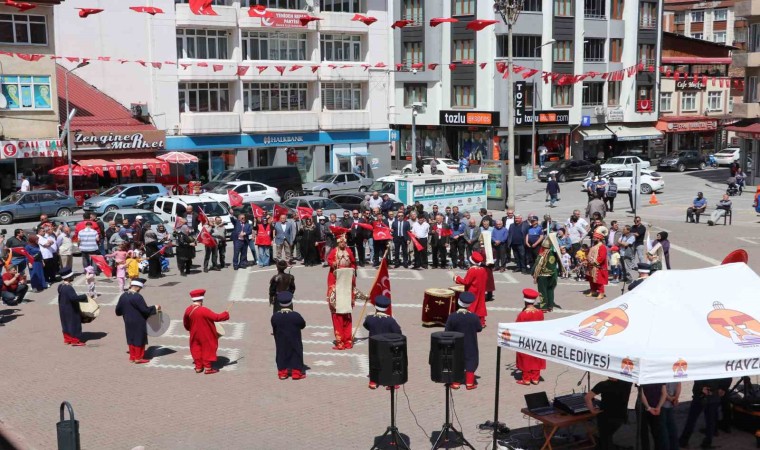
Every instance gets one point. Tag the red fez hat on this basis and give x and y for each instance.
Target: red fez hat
(197, 294)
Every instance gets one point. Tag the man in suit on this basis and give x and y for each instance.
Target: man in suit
(457, 243)
(439, 239)
(516, 241)
(241, 233)
(357, 236)
(472, 237)
(284, 235)
(400, 231)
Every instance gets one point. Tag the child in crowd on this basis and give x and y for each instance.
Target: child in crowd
(133, 264)
(566, 262)
(90, 280)
(580, 255)
(615, 264)
(120, 261)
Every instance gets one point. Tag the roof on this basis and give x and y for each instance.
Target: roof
(685, 5)
(96, 111)
(668, 34)
(695, 60)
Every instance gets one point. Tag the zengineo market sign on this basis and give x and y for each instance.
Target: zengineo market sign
(143, 140)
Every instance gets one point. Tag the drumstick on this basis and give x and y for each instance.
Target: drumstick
(364, 308)
(229, 305)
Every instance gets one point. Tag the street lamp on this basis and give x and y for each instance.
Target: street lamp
(68, 122)
(417, 107)
(533, 105)
(509, 10)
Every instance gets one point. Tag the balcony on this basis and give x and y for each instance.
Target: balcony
(648, 24)
(746, 110)
(344, 120)
(349, 71)
(747, 8)
(259, 122)
(226, 18)
(188, 69)
(745, 60)
(210, 123)
(341, 22)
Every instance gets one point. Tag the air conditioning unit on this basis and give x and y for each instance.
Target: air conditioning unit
(600, 110)
(139, 110)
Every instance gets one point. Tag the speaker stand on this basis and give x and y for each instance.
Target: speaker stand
(448, 427)
(396, 440)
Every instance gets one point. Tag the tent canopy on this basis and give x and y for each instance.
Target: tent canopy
(678, 325)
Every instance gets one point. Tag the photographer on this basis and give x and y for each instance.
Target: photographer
(17, 241)
(14, 287)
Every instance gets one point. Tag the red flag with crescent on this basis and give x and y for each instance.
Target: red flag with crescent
(416, 243)
(258, 211)
(235, 199)
(202, 217)
(304, 212)
(279, 211)
(382, 285)
(21, 251)
(100, 261)
(380, 232)
(205, 238)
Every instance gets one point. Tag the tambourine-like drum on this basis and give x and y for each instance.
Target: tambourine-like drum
(437, 306)
(458, 289)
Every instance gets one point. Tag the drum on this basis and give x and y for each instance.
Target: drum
(458, 289)
(437, 306)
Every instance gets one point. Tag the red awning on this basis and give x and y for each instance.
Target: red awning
(751, 129)
(125, 165)
(694, 60)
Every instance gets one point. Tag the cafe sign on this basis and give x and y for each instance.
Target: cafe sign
(700, 125)
(143, 140)
(690, 85)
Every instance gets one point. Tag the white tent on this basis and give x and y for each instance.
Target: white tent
(678, 325)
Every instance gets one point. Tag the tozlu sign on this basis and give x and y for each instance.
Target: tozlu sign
(144, 140)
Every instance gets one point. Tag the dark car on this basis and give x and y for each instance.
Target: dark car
(30, 205)
(352, 201)
(685, 159)
(267, 206)
(287, 179)
(566, 170)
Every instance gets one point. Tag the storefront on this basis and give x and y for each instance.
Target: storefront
(689, 133)
(552, 132)
(643, 140)
(429, 139)
(470, 134)
(597, 142)
(31, 158)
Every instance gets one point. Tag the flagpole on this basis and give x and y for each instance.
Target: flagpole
(364, 308)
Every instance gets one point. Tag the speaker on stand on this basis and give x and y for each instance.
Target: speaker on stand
(447, 366)
(388, 367)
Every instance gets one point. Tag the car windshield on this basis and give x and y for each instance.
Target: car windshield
(556, 165)
(116, 190)
(223, 188)
(148, 217)
(324, 204)
(227, 175)
(383, 186)
(655, 175)
(13, 198)
(210, 208)
(615, 160)
(326, 178)
(683, 154)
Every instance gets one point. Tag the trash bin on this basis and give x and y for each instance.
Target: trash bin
(68, 430)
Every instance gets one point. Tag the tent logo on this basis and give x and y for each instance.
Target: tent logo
(505, 337)
(679, 368)
(626, 366)
(600, 325)
(741, 328)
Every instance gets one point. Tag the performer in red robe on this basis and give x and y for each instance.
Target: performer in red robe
(475, 281)
(598, 274)
(204, 340)
(490, 283)
(340, 257)
(530, 366)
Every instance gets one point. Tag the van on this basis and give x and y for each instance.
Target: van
(168, 208)
(287, 179)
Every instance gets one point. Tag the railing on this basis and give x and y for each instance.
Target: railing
(594, 14)
(406, 65)
(417, 19)
(648, 24)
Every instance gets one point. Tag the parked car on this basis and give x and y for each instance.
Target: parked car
(333, 183)
(624, 162)
(123, 196)
(651, 181)
(686, 159)
(446, 166)
(168, 208)
(131, 214)
(315, 202)
(287, 179)
(30, 205)
(728, 155)
(267, 206)
(249, 190)
(566, 170)
(351, 201)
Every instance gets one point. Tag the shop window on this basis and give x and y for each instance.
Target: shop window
(341, 47)
(414, 93)
(593, 50)
(463, 50)
(464, 7)
(523, 46)
(473, 145)
(429, 143)
(275, 96)
(563, 51)
(593, 93)
(413, 10)
(562, 95)
(666, 101)
(346, 6)
(23, 29)
(261, 45)
(563, 8)
(201, 44)
(204, 97)
(648, 15)
(688, 101)
(715, 101)
(342, 96)
(280, 4)
(616, 50)
(463, 97)
(613, 92)
(413, 54)
(594, 9)
(26, 92)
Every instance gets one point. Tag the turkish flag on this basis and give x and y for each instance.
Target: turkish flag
(306, 19)
(84, 12)
(100, 261)
(166, 246)
(304, 212)
(235, 199)
(202, 217)
(258, 211)
(259, 11)
(382, 285)
(417, 244)
(479, 24)
(147, 9)
(242, 70)
(202, 8)
(366, 226)
(205, 238)
(445, 231)
(434, 22)
(367, 20)
(21, 251)
(21, 6)
(381, 233)
(401, 23)
(279, 211)
(338, 231)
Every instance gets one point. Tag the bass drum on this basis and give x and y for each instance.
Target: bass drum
(437, 306)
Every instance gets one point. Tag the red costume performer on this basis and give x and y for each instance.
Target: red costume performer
(475, 281)
(598, 273)
(531, 366)
(340, 258)
(204, 340)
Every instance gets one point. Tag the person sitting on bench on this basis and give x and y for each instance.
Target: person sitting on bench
(724, 206)
(698, 207)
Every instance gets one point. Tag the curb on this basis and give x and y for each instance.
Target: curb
(10, 439)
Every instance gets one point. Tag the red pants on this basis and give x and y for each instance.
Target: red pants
(69, 339)
(202, 356)
(596, 287)
(469, 378)
(342, 326)
(136, 352)
(531, 375)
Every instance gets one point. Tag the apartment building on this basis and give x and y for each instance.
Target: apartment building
(466, 111)
(324, 116)
(714, 21)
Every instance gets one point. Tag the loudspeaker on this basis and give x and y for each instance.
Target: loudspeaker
(447, 357)
(387, 359)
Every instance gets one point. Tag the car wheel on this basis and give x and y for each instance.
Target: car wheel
(681, 167)
(63, 212)
(702, 166)
(324, 193)
(363, 189)
(6, 218)
(289, 194)
(646, 189)
(562, 178)
(112, 208)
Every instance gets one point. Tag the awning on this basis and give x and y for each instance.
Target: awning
(125, 165)
(695, 60)
(598, 133)
(624, 133)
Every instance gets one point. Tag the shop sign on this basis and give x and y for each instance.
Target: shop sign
(282, 19)
(544, 118)
(284, 139)
(690, 85)
(701, 125)
(615, 115)
(485, 118)
(143, 140)
(42, 148)
(519, 102)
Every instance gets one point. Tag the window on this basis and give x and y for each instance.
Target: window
(413, 10)
(522, 46)
(563, 51)
(275, 96)
(412, 54)
(562, 95)
(720, 37)
(282, 4)
(730, 103)
(464, 7)
(26, 92)
(529, 95)
(342, 96)
(720, 14)
(616, 50)
(647, 15)
(593, 50)
(715, 101)
(646, 55)
(697, 35)
(204, 97)
(463, 97)
(563, 8)
(666, 101)
(751, 90)
(533, 5)
(201, 44)
(645, 92)
(346, 6)
(688, 101)
(697, 16)
(260, 45)
(613, 92)
(23, 29)
(617, 9)
(593, 94)
(413, 93)
(463, 50)
(594, 9)
(341, 47)
(754, 37)
(679, 18)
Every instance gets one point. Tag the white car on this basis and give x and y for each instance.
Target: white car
(728, 155)
(168, 208)
(623, 162)
(651, 181)
(446, 166)
(249, 190)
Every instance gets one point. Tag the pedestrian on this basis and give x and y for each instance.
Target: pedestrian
(545, 274)
(14, 287)
(18, 242)
(281, 282)
(465, 322)
(185, 250)
(516, 241)
(457, 243)
(204, 339)
(651, 397)
(286, 328)
(598, 275)
(69, 311)
(615, 263)
(627, 243)
(421, 230)
(639, 231)
(211, 247)
(613, 411)
(381, 323)
(65, 248)
(381, 234)
(698, 207)
(471, 238)
(135, 312)
(721, 209)
(88, 243)
(153, 252)
(89, 279)
(284, 237)
(120, 261)
(533, 238)
(341, 295)
(264, 241)
(439, 242)
(530, 366)
(499, 245)
(610, 194)
(25, 186)
(36, 272)
(241, 232)
(219, 232)
(596, 206)
(475, 281)
(705, 396)
(552, 191)
(668, 427)
(400, 229)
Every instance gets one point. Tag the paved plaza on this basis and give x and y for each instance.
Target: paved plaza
(165, 405)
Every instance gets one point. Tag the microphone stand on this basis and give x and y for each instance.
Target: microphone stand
(587, 376)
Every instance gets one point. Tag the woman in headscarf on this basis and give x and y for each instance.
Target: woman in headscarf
(660, 252)
(308, 238)
(152, 252)
(36, 272)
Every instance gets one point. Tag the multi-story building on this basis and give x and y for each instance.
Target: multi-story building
(324, 116)
(711, 21)
(466, 111)
(28, 104)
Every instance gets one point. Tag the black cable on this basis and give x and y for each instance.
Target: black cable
(409, 404)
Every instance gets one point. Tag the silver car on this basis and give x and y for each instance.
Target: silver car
(315, 202)
(336, 183)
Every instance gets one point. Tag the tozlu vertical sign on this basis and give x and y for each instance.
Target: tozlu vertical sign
(519, 102)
